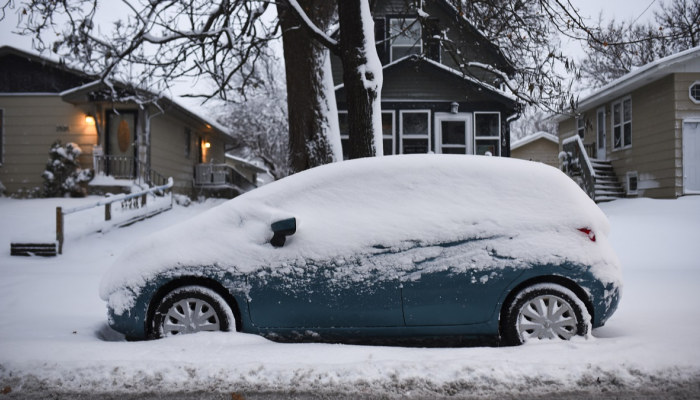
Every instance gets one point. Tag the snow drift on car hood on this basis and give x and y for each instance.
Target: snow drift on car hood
(532, 211)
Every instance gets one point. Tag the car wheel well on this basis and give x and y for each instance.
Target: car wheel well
(559, 280)
(189, 281)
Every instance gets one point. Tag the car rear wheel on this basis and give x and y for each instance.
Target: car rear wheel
(545, 311)
(191, 309)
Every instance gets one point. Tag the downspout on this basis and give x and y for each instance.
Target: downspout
(509, 120)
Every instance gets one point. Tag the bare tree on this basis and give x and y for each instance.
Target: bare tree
(258, 122)
(532, 121)
(620, 47)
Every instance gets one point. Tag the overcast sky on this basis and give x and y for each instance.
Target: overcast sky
(626, 10)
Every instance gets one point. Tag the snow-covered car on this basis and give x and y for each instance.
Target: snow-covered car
(386, 248)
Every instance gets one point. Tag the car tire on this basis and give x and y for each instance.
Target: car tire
(191, 309)
(544, 311)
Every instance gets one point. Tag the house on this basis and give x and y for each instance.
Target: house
(639, 136)
(428, 104)
(41, 101)
(541, 147)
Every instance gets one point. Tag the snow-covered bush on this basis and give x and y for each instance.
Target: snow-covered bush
(63, 174)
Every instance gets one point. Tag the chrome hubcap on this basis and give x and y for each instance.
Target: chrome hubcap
(190, 316)
(547, 317)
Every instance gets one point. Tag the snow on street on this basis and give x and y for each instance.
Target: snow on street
(54, 337)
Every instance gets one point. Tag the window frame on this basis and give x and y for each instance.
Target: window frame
(690, 92)
(581, 127)
(621, 103)
(384, 137)
(402, 136)
(468, 119)
(491, 138)
(391, 42)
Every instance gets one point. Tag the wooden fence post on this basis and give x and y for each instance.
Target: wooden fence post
(108, 211)
(143, 200)
(59, 229)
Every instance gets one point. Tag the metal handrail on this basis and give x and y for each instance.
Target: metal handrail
(218, 175)
(126, 167)
(575, 150)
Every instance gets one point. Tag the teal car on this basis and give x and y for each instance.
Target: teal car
(386, 250)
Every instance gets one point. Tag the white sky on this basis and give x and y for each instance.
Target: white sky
(625, 10)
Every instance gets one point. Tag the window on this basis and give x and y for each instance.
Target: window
(453, 136)
(581, 127)
(622, 124)
(487, 133)
(188, 142)
(632, 181)
(600, 132)
(694, 92)
(2, 133)
(387, 132)
(415, 131)
(407, 37)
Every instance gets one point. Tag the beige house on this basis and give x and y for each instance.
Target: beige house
(541, 147)
(640, 134)
(41, 101)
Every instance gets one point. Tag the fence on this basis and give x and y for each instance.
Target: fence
(130, 201)
(217, 175)
(578, 162)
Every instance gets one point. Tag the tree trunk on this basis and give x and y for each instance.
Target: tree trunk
(362, 76)
(314, 137)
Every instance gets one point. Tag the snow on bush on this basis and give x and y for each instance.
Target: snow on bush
(63, 174)
(525, 213)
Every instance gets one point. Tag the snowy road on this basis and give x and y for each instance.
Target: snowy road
(54, 340)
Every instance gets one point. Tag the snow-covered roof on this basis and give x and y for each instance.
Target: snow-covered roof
(96, 85)
(683, 62)
(531, 138)
(247, 163)
(459, 74)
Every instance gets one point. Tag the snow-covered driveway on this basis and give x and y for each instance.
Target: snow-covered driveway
(54, 338)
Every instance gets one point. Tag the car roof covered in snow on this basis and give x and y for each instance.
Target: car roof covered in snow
(346, 208)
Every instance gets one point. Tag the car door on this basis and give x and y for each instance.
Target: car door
(325, 294)
(454, 286)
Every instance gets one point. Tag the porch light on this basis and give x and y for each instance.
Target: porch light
(207, 145)
(90, 120)
(454, 107)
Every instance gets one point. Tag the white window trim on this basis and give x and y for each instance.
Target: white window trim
(409, 21)
(632, 174)
(402, 136)
(605, 133)
(500, 146)
(622, 123)
(581, 130)
(690, 95)
(2, 135)
(393, 131)
(469, 124)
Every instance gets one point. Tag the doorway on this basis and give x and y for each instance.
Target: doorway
(453, 133)
(691, 157)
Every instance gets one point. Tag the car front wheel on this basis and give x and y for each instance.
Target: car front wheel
(191, 309)
(545, 311)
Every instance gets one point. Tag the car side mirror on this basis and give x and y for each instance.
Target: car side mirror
(282, 229)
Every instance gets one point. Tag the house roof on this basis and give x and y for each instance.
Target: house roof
(685, 61)
(80, 93)
(436, 66)
(541, 135)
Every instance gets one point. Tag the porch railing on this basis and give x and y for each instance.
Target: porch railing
(590, 149)
(577, 162)
(123, 167)
(218, 176)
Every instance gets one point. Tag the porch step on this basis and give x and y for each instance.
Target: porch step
(607, 186)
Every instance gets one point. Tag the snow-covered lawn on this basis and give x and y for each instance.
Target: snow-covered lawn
(54, 337)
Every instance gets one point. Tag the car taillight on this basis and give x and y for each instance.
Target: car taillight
(588, 233)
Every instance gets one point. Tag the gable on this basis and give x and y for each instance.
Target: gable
(22, 74)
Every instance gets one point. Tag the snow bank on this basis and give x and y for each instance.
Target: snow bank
(527, 211)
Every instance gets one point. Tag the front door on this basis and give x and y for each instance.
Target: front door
(600, 135)
(120, 144)
(691, 157)
(453, 133)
